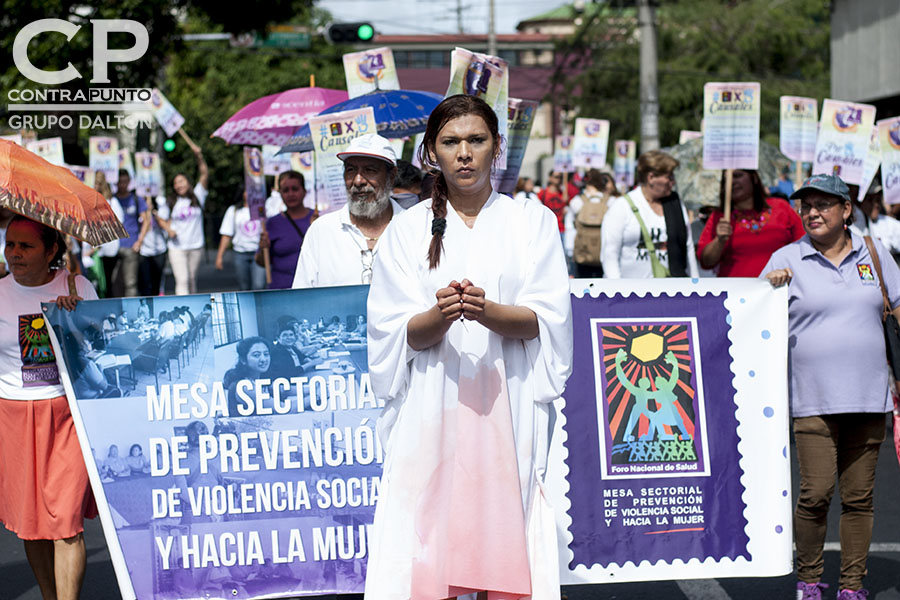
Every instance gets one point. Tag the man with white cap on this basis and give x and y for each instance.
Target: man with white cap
(339, 248)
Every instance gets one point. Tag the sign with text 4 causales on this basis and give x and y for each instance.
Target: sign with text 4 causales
(845, 129)
(889, 136)
(731, 125)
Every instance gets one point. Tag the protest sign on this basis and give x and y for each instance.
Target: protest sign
(417, 143)
(241, 475)
(248, 476)
(486, 77)
(873, 161)
(84, 174)
(15, 138)
(843, 143)
(624, 163)
(520, 118)
(731, 125)
(331, 134)
(591, 140)
(304, 163)
(370, 70)
(50, 149)
(685, 135)
(562, 156)
(696, 483)
(254, 183)
(103, 157)
(147, 174)
(165, 114)
(274, 163)
(889, 137)
(799, 127)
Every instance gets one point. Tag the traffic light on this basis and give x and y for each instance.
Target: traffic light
(169, 145)
(349, 33)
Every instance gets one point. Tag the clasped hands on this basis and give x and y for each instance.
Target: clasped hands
(461, 300)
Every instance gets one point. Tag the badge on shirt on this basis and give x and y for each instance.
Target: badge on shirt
(865, 274)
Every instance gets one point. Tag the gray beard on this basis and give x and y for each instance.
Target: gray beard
(367, 209)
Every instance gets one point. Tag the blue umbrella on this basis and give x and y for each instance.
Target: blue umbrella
(398, 113)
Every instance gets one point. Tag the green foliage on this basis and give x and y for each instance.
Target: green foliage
(782, 45)
(209, 82)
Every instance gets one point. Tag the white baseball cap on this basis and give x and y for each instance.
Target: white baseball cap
(371, 145)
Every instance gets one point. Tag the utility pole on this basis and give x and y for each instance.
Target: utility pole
(459, 15)
(492, 33)
(649, 92)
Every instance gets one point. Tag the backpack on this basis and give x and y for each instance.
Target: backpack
(587, 231)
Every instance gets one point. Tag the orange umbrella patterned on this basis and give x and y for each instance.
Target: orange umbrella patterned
(34, 188)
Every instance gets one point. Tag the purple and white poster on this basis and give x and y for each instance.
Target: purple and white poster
(669, 457)
(230, 439)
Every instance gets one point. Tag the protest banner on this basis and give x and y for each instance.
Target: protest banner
(591, 140)
(520, 119)
(624, 163)
(562, 156)
(417, 143)
(241, 475)
(686, 135)
(873, 161)
(274, 163)
(254, 183)
(50, 149)
(84, 174)
(799, 127)
(843, 143)
(670, 455)
(331, 134)
(126, 163)
(731, 125)
(147, 174)
(370, 70)
(486, 77)
(889, 137)
(103, 157)
(304, 163)
(15, 138)
(165, 114)
(250, 477)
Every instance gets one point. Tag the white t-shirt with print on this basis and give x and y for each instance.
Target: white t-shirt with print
(187, 221)
(244, 231)
(155, 241)
(28, 369)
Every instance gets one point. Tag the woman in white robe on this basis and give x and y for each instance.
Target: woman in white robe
(470, 340)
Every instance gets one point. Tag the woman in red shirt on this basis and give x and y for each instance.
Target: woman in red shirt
(758, 227)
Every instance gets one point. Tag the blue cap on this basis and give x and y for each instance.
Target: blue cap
(829, 184)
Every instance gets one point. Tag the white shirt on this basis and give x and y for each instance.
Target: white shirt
(110, 249)
(31, 356)
(187, 221)
(623, 254)
(333, 249)
(886, 229)
(243, 231)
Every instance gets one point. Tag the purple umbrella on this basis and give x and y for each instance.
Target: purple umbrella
(272, 119)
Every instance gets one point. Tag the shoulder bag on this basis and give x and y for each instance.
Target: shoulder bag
(658, 269)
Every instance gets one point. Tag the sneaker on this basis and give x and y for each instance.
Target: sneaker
(811, 591)
(860, 594)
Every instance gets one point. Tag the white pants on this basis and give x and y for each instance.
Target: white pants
(185, 264)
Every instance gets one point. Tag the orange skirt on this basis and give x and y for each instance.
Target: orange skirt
(44, 488)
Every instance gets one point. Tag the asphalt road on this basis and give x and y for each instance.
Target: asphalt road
(883, 582)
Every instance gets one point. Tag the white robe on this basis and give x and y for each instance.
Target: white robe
(434, 533)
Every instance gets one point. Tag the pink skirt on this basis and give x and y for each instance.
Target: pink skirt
(44, 488)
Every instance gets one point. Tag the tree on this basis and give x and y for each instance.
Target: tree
(782, 45)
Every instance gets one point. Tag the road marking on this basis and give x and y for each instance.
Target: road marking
(883, 547)
(706, 589)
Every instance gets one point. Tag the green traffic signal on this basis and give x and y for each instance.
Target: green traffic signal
(169, 145)
(365, 32)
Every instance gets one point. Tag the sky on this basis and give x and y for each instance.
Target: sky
(436, 16)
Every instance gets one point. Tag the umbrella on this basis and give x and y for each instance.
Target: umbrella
(34, 188)
(272, 119)
(398, 113)
(700, 187)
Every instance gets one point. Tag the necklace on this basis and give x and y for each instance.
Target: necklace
(751, 220)
(373, 239)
